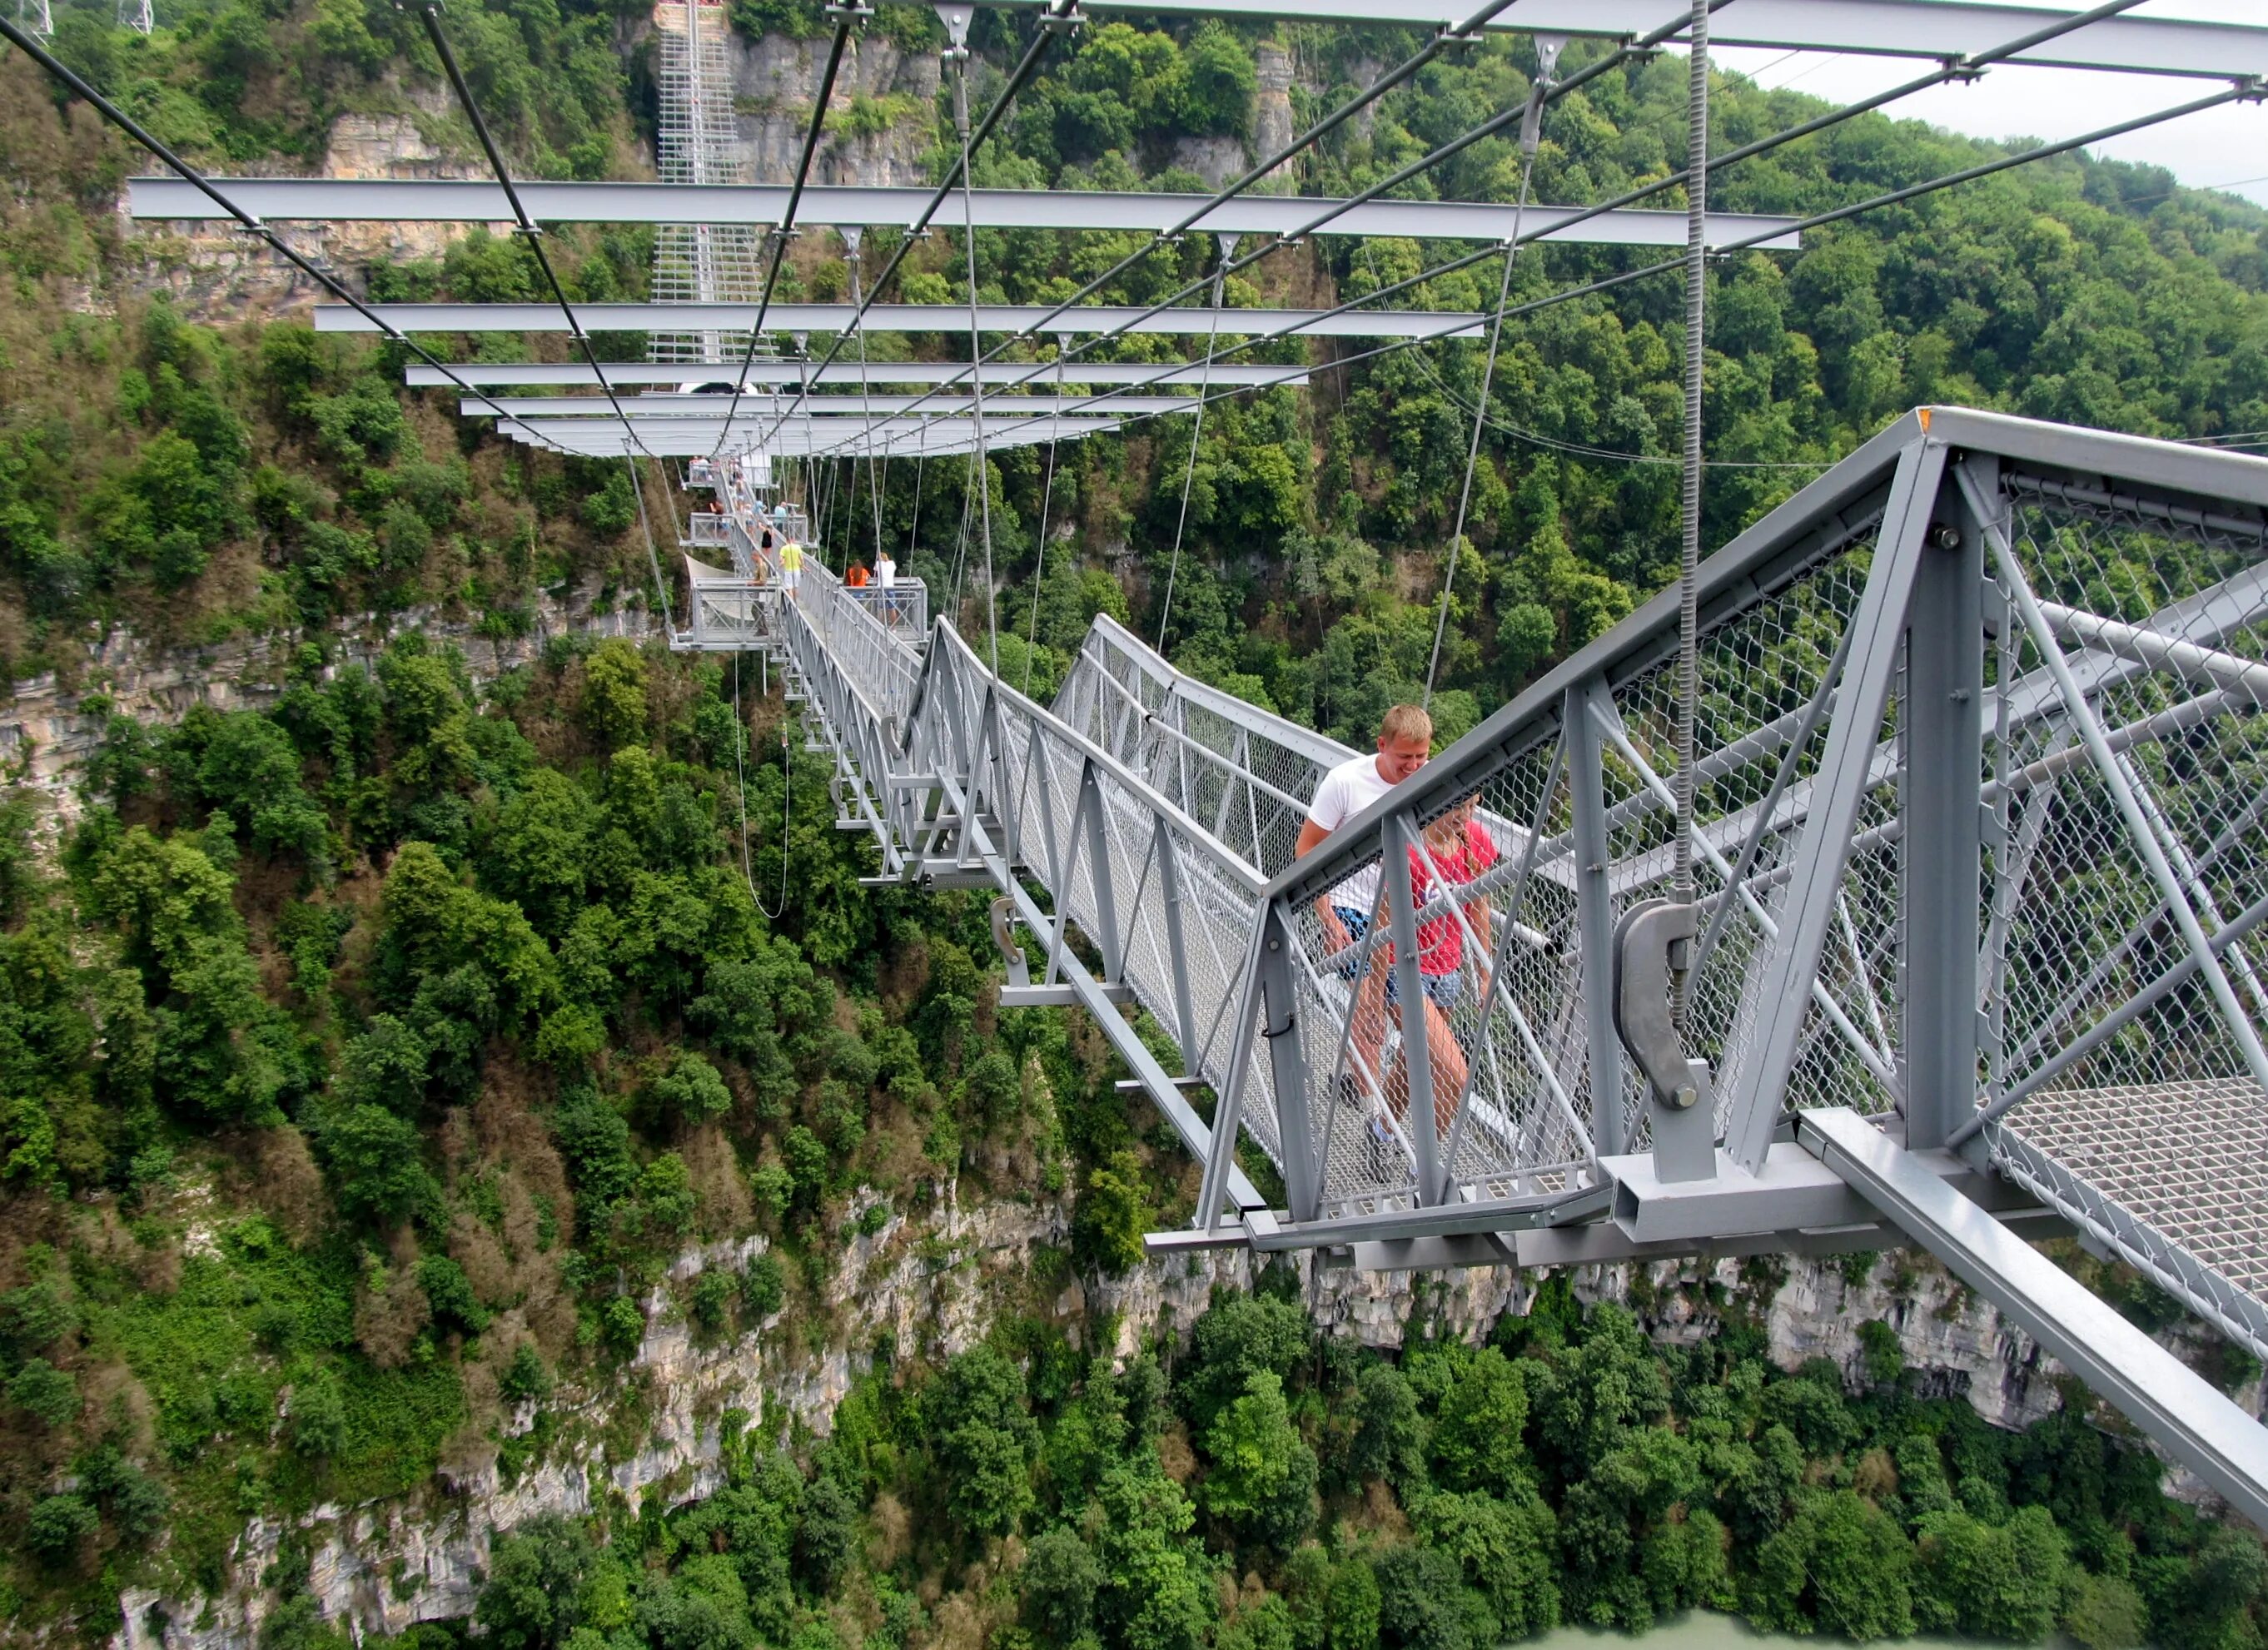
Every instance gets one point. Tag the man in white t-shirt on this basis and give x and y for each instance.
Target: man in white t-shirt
(1405, 739)
(886, 574)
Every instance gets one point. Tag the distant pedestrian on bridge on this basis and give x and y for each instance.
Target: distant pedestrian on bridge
(791, 560)
(1405, 739)
(886, 578)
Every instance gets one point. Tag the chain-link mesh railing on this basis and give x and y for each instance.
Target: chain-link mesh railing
(2123, 1073)
(1491, 876)
(1243, 774)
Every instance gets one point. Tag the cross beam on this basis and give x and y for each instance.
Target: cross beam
(1888, 28)
(953, 319)
(825, 409)
(474, 201)
(774, 374)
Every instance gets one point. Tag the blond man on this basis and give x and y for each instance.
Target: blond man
(1405, 739)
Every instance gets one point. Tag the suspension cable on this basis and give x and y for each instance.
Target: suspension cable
(80, 88)
(1196, 431)
(1338, 209)
(57, 71)
(2244, 91)
(1970, 68)
(527, 227)
(854, 238)
(913, 525)
(1040, 562)
(1689, 563)
(846, 17)
(958, 54)
(961, 555)
(1060, 17)
(1531, 138)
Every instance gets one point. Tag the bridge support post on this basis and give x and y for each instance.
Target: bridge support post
(1784, 978)
(1943, 840)
(1177, 952)
(1423, 1121)
(1287, 1064)
(1595, 915)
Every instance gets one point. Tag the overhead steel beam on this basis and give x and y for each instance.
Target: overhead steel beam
(466, 201)
(2195, 1424)
(944, 318)
(791, 434)
(789, 374)
(1885, 28)
(597, 438)
(831, 409)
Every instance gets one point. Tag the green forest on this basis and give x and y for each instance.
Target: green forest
(369, 1059)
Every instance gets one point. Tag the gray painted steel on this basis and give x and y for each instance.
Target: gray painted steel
(448, 200)
(1895, 28)
(789, 374)
(2222, 1444)
(685, 438)
(949, 319)
(761, 411)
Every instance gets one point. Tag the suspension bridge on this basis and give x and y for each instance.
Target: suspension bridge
(1895, 877)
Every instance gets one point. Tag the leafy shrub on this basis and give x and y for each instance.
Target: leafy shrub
(59, 1524)
(763, 1288)
(44, 1390)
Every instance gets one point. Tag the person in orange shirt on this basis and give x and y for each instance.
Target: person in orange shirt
(857, 577)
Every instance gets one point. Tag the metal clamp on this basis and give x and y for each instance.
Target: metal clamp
(1652, 942)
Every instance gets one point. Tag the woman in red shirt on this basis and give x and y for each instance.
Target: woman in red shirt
(1455, 850)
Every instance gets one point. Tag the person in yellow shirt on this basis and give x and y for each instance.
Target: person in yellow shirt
(792, 568)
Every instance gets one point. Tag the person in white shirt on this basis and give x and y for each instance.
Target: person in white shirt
(1405, 739)
(886, 574)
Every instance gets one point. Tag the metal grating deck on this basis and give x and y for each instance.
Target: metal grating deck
(2188, 1159)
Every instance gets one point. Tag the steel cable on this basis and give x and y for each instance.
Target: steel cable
(1338, 209)
(1531, 138)
(1190, 470)
(782, 235)
(1689, 563)
(528, 230)
(1040, 562)
(1970, 68)
(1059, 17)
(959, 55)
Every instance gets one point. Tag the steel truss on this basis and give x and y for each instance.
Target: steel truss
(1982, 837)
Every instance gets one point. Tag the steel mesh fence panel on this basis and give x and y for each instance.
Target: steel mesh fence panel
(2121, 1086)
(1762, 670)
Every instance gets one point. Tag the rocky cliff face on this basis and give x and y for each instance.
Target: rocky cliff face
(878, 123)
(213, 273)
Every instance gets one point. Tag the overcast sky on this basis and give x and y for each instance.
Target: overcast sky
(2223, 148)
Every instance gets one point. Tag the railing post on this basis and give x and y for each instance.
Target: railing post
(1943, 838)
(1594, 913)
(1287, 1065)
(1787, 969)
(1177, 953)
(1098, 869)
(1417, 1035)
(1249, 986)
